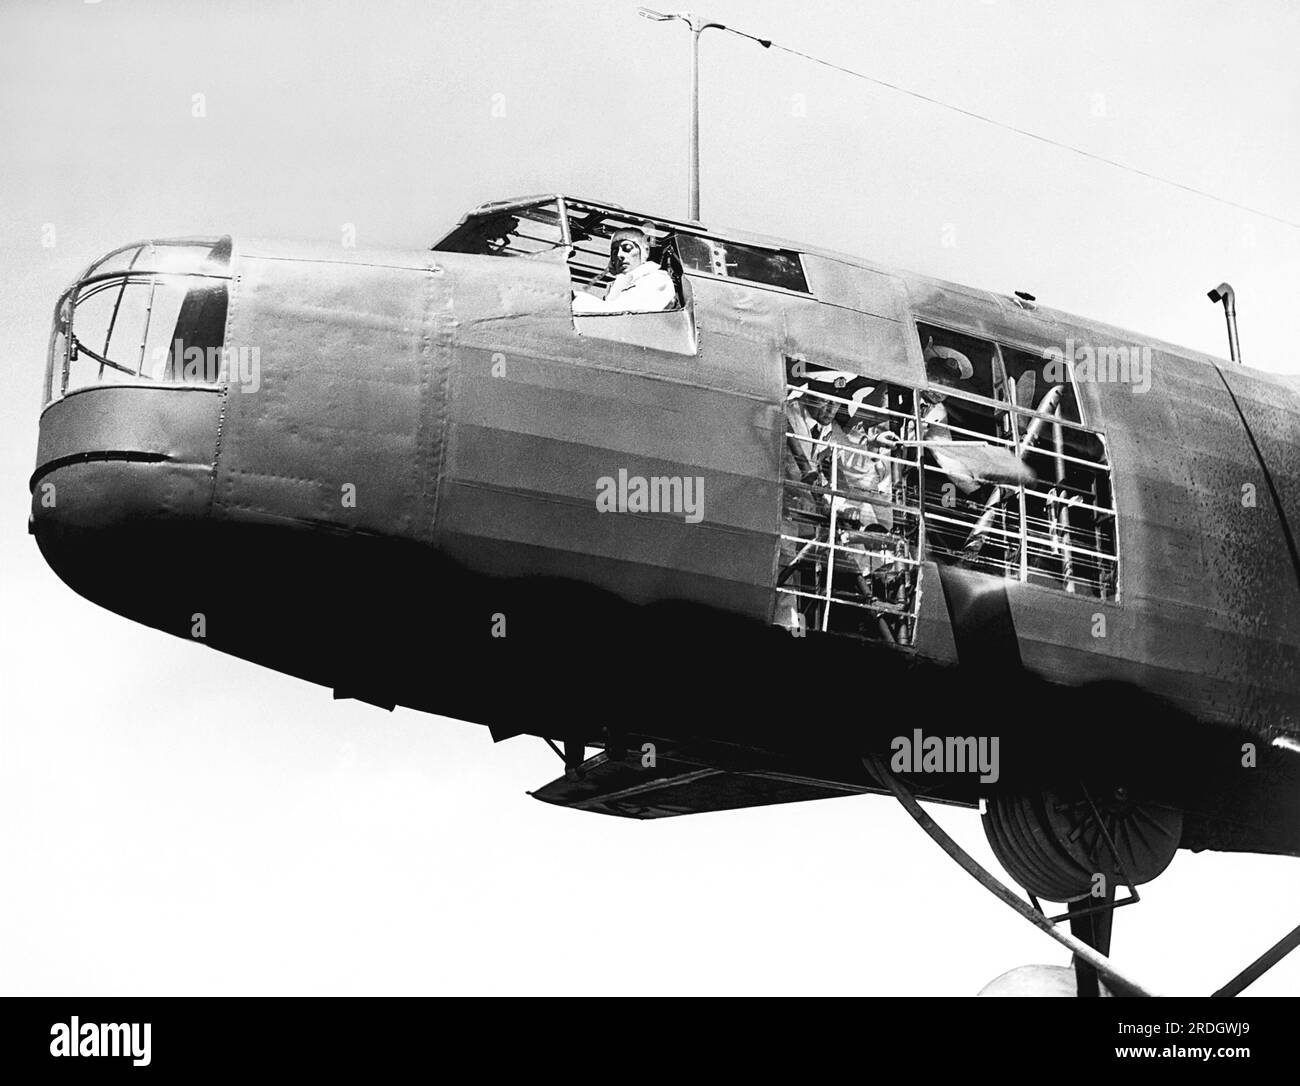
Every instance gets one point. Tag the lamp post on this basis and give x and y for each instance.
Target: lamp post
(698, 26)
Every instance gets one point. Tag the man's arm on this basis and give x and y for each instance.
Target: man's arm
(589, 303)
(650, 293)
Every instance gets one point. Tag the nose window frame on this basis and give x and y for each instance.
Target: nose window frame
(192, 274)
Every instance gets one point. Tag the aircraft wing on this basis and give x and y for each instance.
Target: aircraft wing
(674, 786)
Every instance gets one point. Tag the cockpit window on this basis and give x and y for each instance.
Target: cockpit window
(648, 304)
(628, 285)
(539, 225)
(519, 228)
(625, 277)
(154, 311)
(596, 232)
(731, 260)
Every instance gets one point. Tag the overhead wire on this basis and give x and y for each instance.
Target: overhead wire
(768, 43)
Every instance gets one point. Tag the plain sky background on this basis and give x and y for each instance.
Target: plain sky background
(173, 820)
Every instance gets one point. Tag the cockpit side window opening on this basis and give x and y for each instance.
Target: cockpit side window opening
(622, 264)
(151, 312)
(625, 278)
(630, 274)
(627, 284)
(850, 526)
(1014, 484)
(585, 236)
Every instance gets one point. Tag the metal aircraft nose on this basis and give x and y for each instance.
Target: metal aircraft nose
(133, 395)
(111, 456)
(117, 469)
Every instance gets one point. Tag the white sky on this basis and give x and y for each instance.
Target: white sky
(176, 821)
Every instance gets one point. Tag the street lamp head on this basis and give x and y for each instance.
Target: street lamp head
(697, 23)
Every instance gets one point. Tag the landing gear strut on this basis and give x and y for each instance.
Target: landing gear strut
(1083, 952)
(1136, 837)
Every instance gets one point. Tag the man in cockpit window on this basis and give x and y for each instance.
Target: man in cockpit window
(640, 285)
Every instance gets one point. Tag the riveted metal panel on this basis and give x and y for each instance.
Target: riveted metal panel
(353, 360)
(179, 424)
(538, 420)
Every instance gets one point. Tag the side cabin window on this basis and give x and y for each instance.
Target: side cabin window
(850, 523)
(1014, 484)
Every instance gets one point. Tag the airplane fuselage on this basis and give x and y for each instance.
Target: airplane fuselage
(405, 506)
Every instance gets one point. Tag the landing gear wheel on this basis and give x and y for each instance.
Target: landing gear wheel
(1018, 831)
(1145, 834)
(1053, 844)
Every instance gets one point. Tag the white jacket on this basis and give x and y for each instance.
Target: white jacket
(647, 288)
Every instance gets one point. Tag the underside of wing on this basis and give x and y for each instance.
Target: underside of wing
(630, 788)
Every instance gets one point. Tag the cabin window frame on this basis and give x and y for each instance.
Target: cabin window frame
(1105, 585)
(902, 544)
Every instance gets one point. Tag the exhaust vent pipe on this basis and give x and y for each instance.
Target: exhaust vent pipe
(1225, 294)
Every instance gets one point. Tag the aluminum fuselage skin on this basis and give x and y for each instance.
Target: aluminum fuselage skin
(451, 396)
